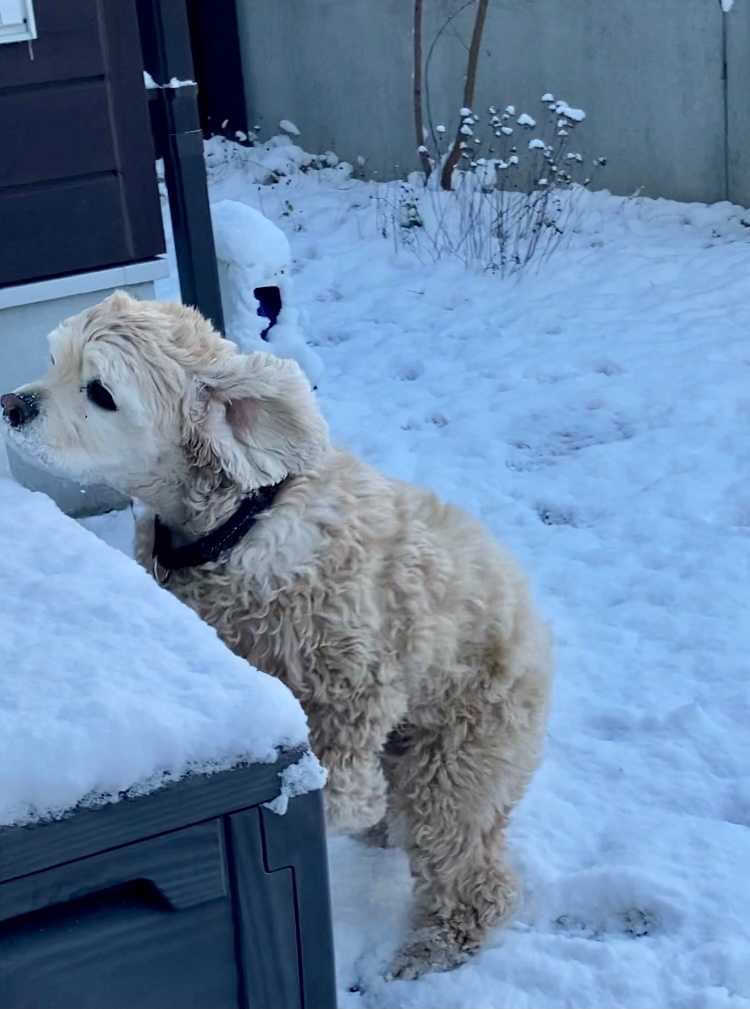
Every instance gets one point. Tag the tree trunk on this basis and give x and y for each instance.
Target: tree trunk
(418, 124)
(469, 85)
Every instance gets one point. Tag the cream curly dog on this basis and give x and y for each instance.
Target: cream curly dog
(404, 630)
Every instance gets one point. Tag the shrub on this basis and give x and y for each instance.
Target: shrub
(513, 194)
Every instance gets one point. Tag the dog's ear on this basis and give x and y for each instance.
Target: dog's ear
(119, 301)
(255, 417)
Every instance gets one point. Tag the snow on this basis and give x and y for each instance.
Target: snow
(727, 5)
(108, 683)
(593, 412)
(173, 82)
(525, 120)
(288, 127)
(305, 775)
(245, 237)
(563, 109)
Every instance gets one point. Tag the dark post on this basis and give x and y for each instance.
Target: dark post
(179, 140)
(215, 40)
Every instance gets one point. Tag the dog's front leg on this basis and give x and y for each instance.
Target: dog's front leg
(350, 718)
(355, 793)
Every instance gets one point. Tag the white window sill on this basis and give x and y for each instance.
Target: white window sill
(83, 283)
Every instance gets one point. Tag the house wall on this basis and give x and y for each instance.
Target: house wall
(650, 75)
(78, 190)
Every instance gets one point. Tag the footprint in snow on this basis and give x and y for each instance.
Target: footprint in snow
(558, 445)
(608, 368)
(611, 902)
(551, 515)
(409, 372)
(412, 424)
(633, 923)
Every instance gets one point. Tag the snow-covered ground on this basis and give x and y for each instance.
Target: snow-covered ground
(596, 416)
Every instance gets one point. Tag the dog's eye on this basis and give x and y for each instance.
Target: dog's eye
(99, 396)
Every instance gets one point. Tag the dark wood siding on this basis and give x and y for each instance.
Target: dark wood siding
(77, 182)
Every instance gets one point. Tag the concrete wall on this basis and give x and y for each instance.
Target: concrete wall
(649, 73)
(738, 103)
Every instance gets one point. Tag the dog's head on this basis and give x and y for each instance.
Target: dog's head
(147, 397)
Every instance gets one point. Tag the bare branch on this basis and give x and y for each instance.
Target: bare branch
(469, 86)
(430, 53)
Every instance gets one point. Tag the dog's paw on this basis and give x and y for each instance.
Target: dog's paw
(430, 948)
(352, 814)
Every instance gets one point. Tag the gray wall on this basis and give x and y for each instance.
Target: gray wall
(649, 73)
(738, 104)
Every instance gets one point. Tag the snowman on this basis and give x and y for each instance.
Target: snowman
(254, 263)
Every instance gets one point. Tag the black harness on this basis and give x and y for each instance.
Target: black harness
(168, 558)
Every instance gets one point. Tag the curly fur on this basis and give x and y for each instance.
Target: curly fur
(407, 634)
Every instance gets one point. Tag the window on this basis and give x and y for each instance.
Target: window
(17, 21)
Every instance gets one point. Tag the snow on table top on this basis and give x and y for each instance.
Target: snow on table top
(107, 682)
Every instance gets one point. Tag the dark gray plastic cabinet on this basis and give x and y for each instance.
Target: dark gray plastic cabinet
(192, 896)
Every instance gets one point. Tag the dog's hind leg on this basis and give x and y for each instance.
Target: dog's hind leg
(386, 833)
(455, 786)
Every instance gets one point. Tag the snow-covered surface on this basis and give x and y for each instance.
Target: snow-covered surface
(150, 84)
(595, 415)
(563, 109)
(246, 238)
(107, 682)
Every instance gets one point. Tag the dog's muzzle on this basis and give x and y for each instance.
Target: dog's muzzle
(19, 407)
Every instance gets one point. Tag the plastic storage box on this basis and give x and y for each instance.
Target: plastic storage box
(192, 896)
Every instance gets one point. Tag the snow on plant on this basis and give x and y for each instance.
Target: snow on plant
(266, 161)
(513, 193)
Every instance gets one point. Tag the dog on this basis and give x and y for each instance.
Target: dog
(407, 634)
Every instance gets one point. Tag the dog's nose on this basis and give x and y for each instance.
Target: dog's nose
(19, 407)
